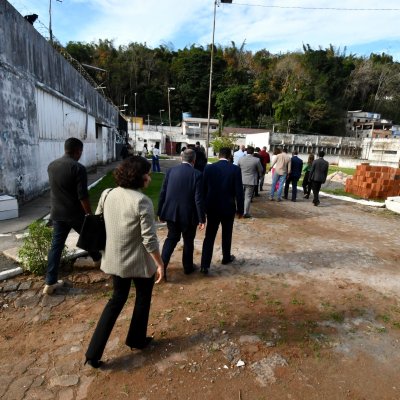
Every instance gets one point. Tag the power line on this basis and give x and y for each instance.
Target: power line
(316, 8)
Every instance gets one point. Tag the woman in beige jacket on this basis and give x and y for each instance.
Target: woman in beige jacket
(131, 254)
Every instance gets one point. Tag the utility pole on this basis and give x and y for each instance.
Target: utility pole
(50, 27)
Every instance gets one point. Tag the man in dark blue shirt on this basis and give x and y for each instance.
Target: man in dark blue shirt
(296, 167)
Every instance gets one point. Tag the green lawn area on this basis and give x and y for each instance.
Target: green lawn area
(335, 168)
(108, 181)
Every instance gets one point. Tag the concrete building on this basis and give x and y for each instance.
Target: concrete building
(43, 101)
(361, 124)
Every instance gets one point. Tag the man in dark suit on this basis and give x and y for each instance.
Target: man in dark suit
(223, 193)
(296, 167)
(318, 174)
(181, 205)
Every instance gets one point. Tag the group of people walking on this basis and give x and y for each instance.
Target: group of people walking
(191, 194)
(288, 170)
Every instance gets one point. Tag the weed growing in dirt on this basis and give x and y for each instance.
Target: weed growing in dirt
(337, 317)
(297, 302)
(385, 318)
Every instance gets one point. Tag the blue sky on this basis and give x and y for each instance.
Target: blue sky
(276, 25)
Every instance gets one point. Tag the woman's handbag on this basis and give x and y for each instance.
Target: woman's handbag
(92, 237)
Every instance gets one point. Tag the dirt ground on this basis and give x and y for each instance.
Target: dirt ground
(309, 310)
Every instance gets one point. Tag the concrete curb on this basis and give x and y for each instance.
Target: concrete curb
(351, 200)
(10, 273)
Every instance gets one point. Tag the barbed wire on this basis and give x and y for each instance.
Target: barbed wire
(316, 8)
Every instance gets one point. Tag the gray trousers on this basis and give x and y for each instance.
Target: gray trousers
(248, 191)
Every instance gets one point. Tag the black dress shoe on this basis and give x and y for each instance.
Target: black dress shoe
(191, 270)
(204, 270)
(94, 363)
(143, 345)
(229, 260)
(246, 216)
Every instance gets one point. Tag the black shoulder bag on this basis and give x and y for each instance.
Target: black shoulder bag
(92, 237)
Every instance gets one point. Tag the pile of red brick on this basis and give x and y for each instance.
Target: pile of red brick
(371, 182)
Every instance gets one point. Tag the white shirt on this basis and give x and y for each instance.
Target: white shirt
(237, 155)
(156, 152)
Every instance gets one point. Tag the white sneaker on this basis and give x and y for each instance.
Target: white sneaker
(49, 289)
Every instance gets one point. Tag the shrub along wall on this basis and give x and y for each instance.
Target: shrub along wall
(372, 182)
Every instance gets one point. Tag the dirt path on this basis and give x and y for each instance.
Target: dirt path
(310, 307)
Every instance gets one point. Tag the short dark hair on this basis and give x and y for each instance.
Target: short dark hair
(295, 152)
(129, 174)
(72, 144)
(321, 153)
(250, 149)
(225, 152)
(257, 149)
(198, 143)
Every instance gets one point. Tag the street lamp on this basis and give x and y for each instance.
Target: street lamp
(161, 122)
(169, 114)
(216, 3)
(134, 149)
(288, 125)
(123, 107)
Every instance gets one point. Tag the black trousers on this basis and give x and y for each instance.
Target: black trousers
(316, 186)
(175, 230)
(213, 222)
(290, 180)
(307, 184)
(138, 327)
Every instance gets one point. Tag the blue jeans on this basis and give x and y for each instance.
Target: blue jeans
(61, 230)
(155, 164)
(275, 179)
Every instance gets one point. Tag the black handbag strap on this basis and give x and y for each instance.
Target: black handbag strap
(104, 201)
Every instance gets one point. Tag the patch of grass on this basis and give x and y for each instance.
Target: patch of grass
(396, 324)
(95, 192)
(254, 297)
(337, 316)
(385, 318)
(297, 302)
(381, 330)
(274, 302)
(326, 304)
(153, 191)
(335, 168)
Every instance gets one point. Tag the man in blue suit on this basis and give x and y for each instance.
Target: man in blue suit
(296, 167)
(181, 205)
(223, 193)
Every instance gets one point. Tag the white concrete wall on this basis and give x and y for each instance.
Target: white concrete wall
(381, 150)
(257, 140)
(43, 101)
